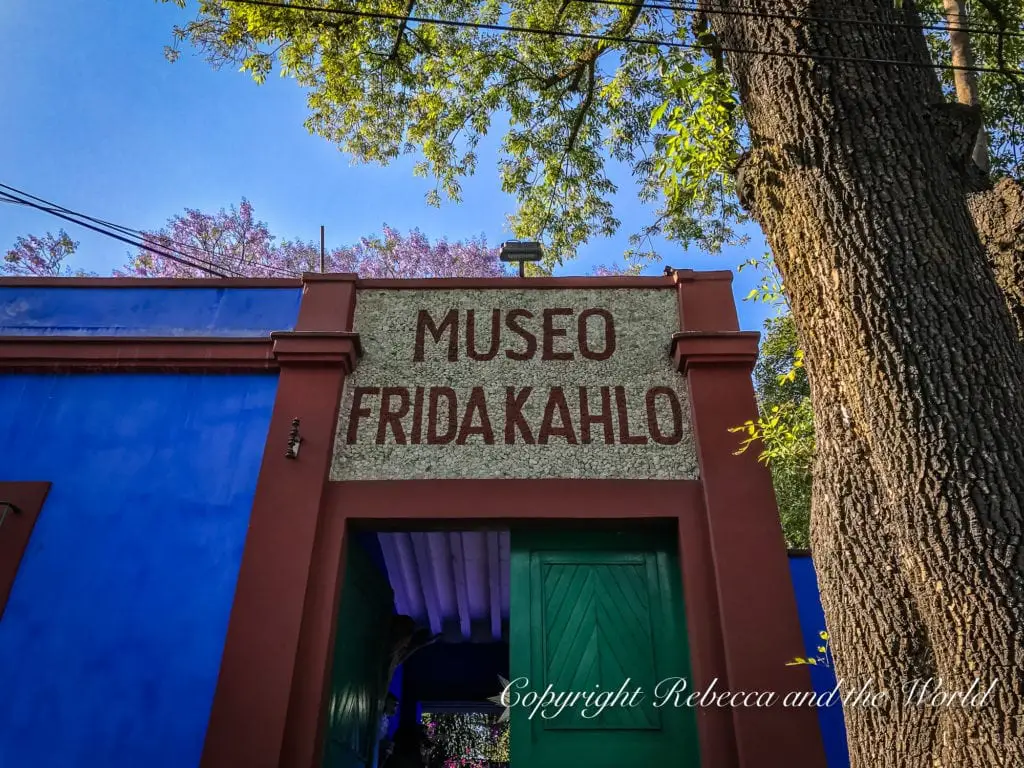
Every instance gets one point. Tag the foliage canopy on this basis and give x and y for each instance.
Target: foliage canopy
(643, 93)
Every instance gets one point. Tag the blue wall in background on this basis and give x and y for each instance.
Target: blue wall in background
(147, 311)
(812, 621)
(112, 637)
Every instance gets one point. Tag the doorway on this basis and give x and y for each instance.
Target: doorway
(598, 627)
(557, 611)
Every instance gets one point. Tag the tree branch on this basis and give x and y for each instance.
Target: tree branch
(966, 81)
(401, 29)
(561, 9)
(706, 39)
(1001, 21)
(585, 105)
(621, 28)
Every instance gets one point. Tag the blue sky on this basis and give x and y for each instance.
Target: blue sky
(97, 120)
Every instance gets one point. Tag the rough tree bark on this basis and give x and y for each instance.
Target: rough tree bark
(858, 178)
(999, 217)
(873, 596)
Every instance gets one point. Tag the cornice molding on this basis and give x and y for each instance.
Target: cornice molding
(192, 354)
(714, 348)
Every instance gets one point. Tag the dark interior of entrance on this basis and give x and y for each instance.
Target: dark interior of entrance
(423, 633)
(431, 622)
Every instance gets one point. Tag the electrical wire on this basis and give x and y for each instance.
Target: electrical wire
(120, 228)
(128, 235)
(625, 40)
(846, 10)
(135, 237)
(138, 233)
(711, 10)
(138, 244)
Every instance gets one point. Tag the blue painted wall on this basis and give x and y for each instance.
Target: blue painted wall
(113, 634)
(147, 311)
(812, 621)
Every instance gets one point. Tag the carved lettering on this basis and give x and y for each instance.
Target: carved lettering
(609, 334)
(433, 437)
(652, 416)
(467, 415)
(417, 416)
(514, 415)
(476, 409)
(623, 413)
(359, 411)
(425, 324)
(492, 350)
(442, 415)
(604, 417)
(551, 333)
(548, 428)
(523, 343)
(390, 418)
(531, 341)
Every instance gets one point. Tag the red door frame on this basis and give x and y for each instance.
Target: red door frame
(382, 505)
(270, 702)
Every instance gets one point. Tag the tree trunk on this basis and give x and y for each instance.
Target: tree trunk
(857, 175)
(999, 217)
(867, 595)
(965, 80)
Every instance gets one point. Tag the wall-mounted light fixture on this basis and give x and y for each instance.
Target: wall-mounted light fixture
(294, 441)
(520, 251)
(6, 508)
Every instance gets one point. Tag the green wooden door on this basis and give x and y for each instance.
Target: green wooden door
(592, 613)
(357, 677)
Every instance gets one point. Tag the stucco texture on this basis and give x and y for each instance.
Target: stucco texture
(644, 320)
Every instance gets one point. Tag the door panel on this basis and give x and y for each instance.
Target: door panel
(595, 613)
(358, 672)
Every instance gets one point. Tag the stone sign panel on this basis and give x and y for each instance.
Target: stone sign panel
(495, 383)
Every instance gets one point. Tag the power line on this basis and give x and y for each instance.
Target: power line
(135, 237)
(626, 40)
(103, 228)
(711, 10)
(128, 235)
(858, 13)
(118, 227)
(53, 211)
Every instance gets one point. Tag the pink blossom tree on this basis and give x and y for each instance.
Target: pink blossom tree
(45, 256)
(611, 270)
(233, 242)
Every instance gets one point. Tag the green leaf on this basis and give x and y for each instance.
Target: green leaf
(658, 113)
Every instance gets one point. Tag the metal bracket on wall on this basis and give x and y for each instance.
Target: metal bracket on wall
(294, 441)
(7, 508)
